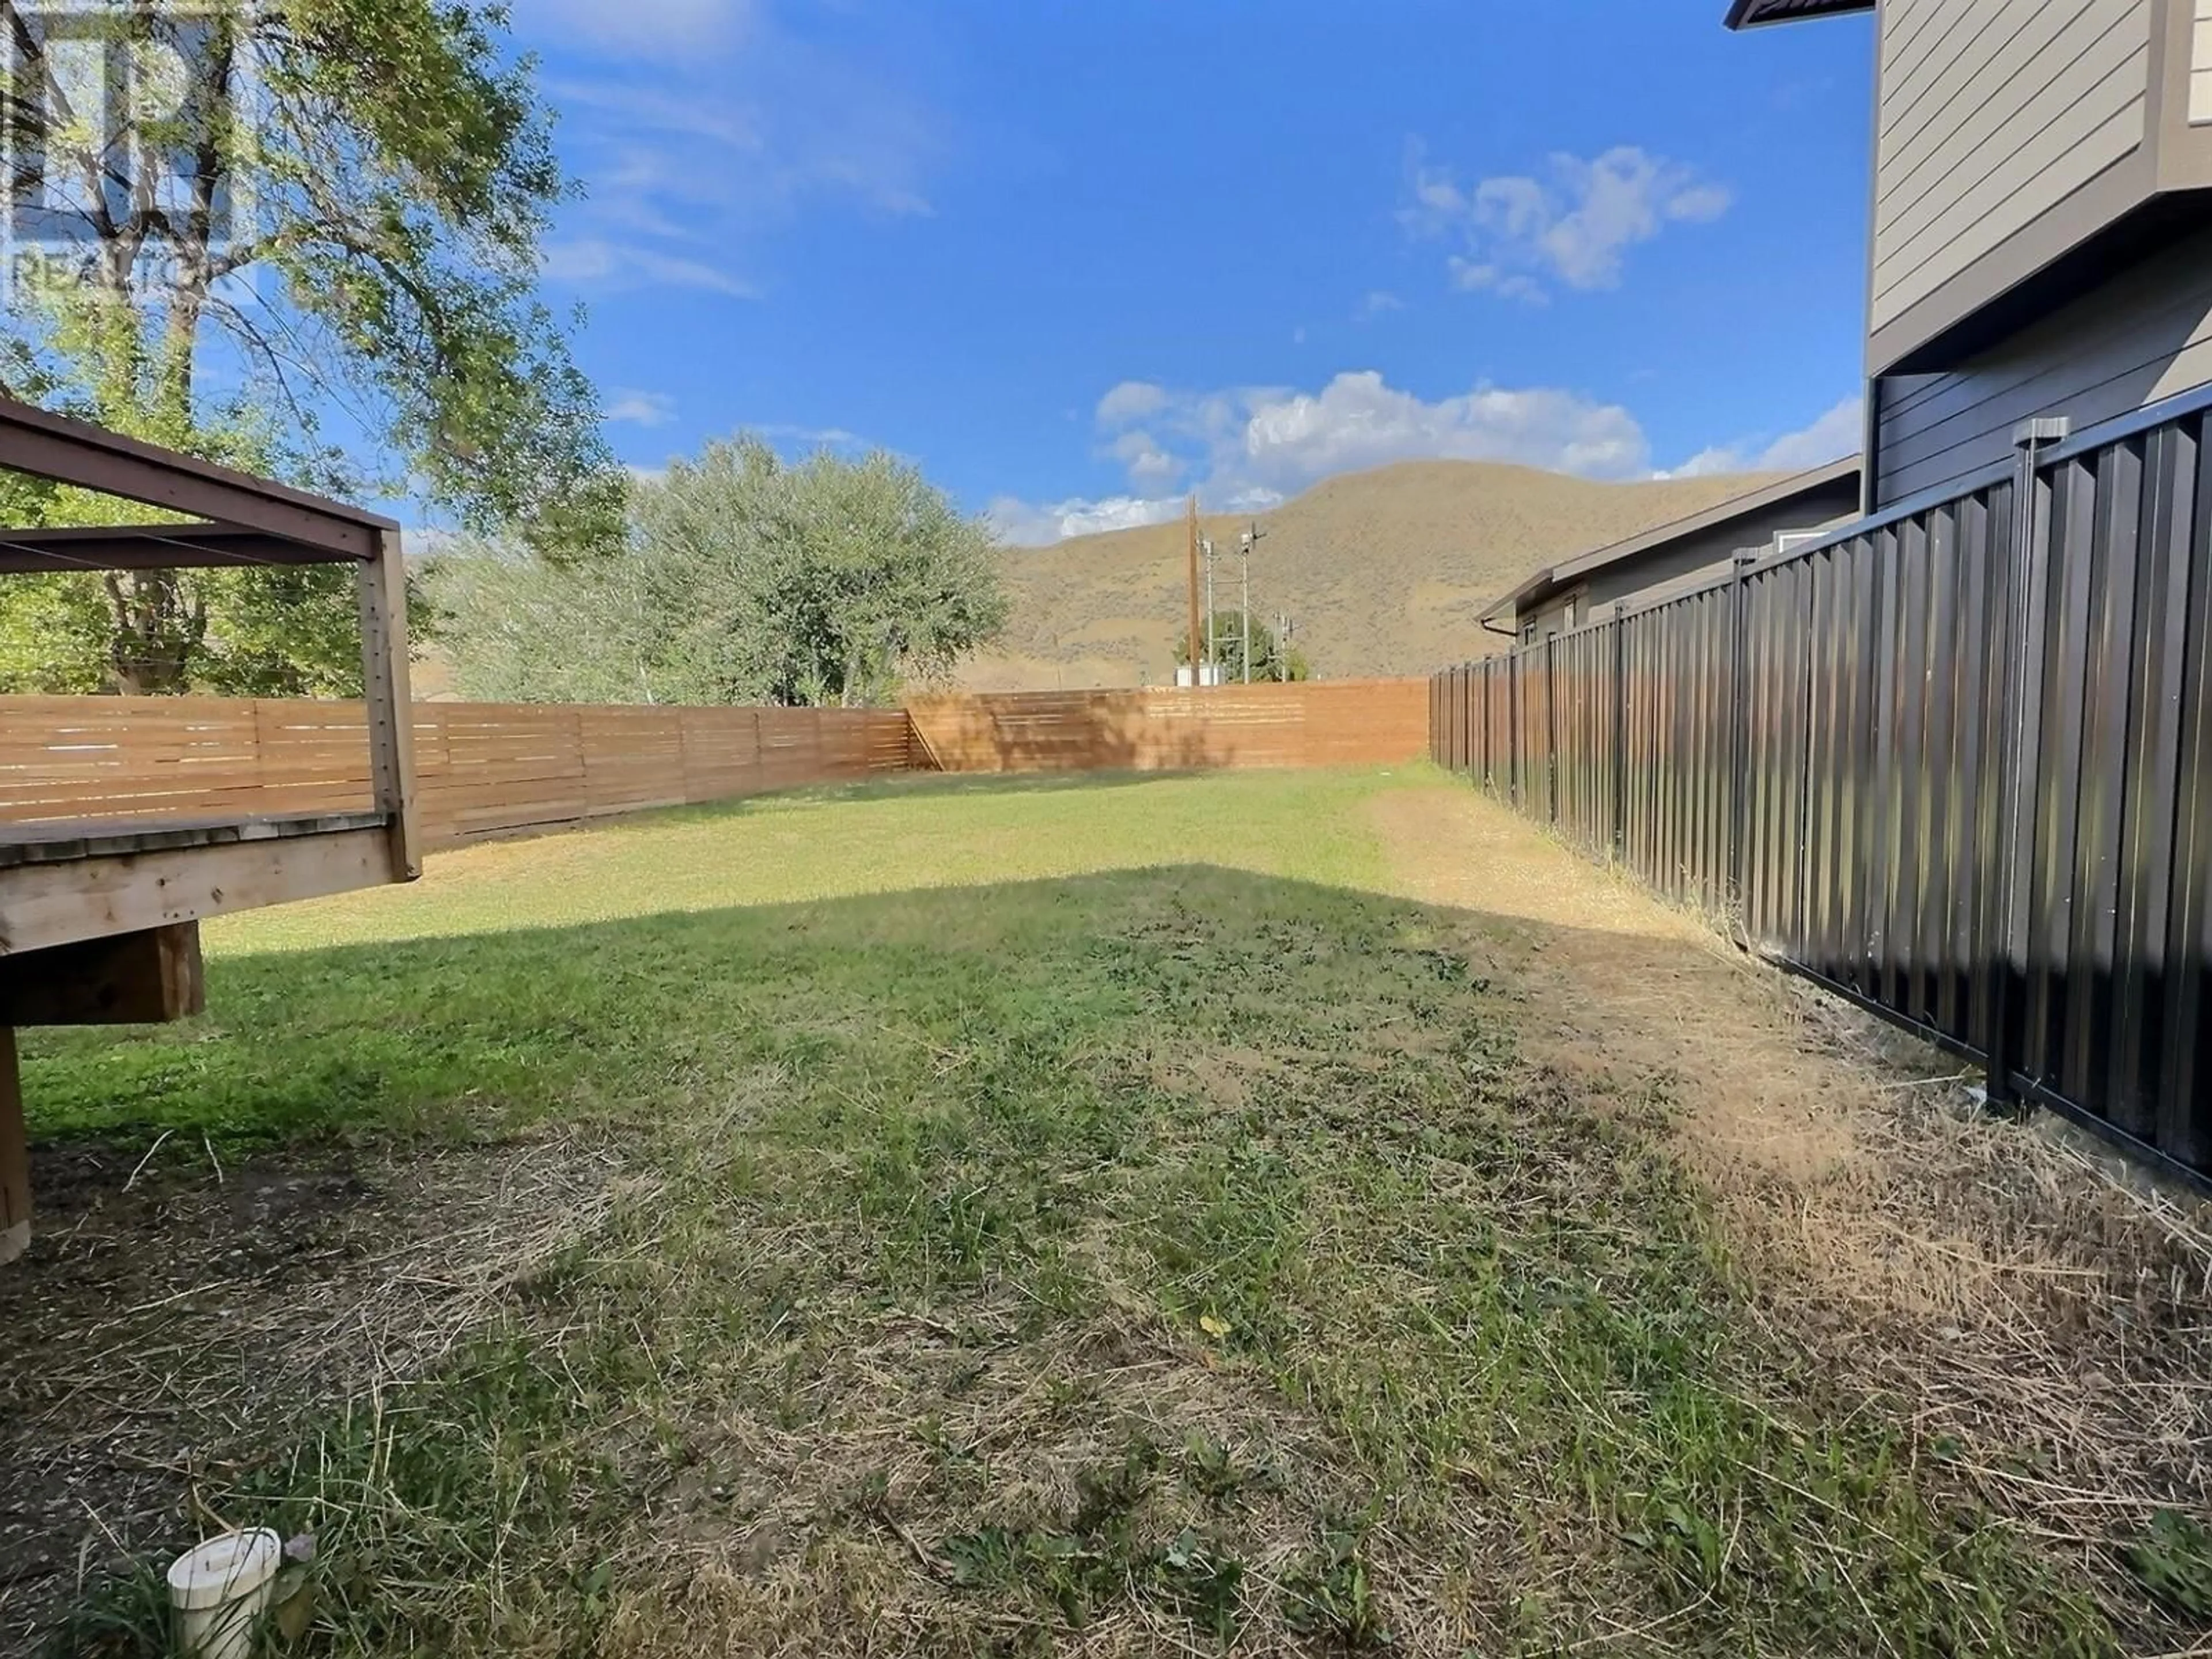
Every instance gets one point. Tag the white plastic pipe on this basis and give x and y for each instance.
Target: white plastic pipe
(220, 1591)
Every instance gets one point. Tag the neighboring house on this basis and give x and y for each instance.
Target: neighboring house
(2042, 220)
(1676, 555)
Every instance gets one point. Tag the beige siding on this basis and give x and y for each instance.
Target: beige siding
(1991, 112)
(2145, 334)
(2200, 65)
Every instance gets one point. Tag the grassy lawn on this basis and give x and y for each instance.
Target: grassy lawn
(1037, 1217)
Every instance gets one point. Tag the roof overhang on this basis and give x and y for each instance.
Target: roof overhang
(1752, 14)
(1780, 493)
(153, 547)
(241, 519)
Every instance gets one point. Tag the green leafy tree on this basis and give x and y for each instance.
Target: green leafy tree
(743, 580)
(283, 211)
(1271, 660)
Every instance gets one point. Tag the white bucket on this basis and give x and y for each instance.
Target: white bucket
(220, 1591)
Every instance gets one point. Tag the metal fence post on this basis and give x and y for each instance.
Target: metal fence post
(1619, 736)
(1739, 723)
(1513, 745)
(1551, 731)
(2006, 957)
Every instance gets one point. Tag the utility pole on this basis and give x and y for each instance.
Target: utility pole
(1282, 647)
(1190, 524)
(1252, 534)
(1205, 546)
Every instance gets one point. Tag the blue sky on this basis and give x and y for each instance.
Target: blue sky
(1077, 256)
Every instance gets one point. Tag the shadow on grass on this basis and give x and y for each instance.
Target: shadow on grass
(1238, 1127)
(461, 1038)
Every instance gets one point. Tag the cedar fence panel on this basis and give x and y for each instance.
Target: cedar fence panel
(480, 769)
(1324, 723)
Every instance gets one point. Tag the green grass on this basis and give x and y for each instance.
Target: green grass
(1047, 1216)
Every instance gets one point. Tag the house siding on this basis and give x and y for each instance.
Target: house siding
(1690, 560)
(2145, 334)
(2200, 66)
(1989, 114)
(1698, 559)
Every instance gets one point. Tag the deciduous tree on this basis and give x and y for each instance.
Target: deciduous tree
(304, 236)
(743, 580)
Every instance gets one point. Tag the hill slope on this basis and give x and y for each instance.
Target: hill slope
(1384, 571)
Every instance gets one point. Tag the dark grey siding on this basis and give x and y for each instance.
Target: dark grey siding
(1688, 559)
(1991, 112)
(2145, 334)
(1685, 564)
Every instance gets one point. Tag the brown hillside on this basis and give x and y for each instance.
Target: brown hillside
(1384, 571)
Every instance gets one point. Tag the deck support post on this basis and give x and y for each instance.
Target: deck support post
(383, 593)
(15, 1156)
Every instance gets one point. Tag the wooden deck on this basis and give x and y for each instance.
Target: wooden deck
(99, 901)
(65, 882)
(96, 838)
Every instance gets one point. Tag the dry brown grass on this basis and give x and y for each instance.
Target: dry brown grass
(1065, 1265)
(177, 1323)
(1385, 571)
(2013, 1282)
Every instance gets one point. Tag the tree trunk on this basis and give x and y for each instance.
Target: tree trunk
(156, 631)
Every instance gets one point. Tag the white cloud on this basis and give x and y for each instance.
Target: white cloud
(1573, 226)
(1470, 275)
(1283, 439)
(1132, 400)
(671, 30)
(1020, 523)
(1374, 303)
(1841, 431)
(1250, 447)
(1292, 438)
(600, 262)
(811, 437)
(628, 404)
(741, 123)
(1150, 467)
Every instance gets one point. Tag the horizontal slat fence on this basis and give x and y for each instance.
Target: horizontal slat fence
(1314, 723)
(1954, 761)
(479, 767)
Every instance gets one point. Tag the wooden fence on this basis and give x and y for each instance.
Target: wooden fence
(1324, 723)
(481, 768)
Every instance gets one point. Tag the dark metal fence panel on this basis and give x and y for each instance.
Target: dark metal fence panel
(1497, 725)
(1677, 669)
(1955, 761)
(1533, 749)
(1583, 714)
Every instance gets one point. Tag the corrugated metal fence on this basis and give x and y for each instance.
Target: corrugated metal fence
(1954, 761)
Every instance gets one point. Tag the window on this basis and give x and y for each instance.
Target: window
(1529, 633)
(1574, 606)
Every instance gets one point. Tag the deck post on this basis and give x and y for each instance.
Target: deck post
(15, 1156)
(384, 689)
